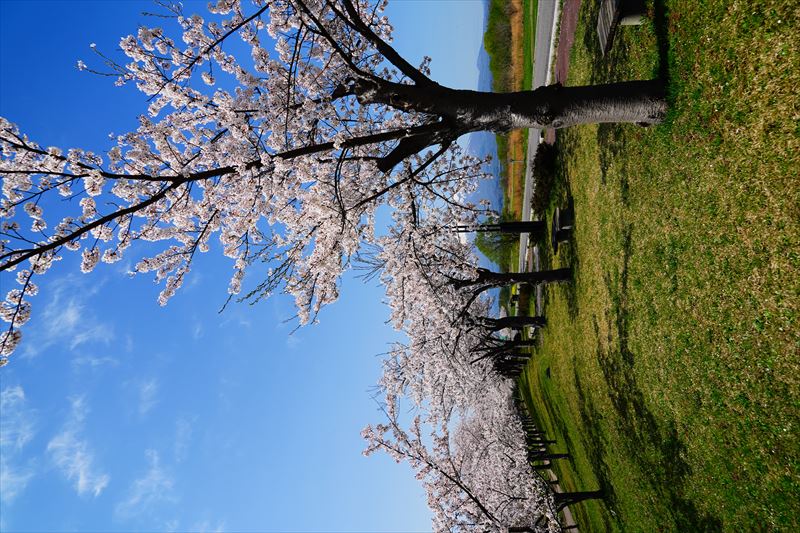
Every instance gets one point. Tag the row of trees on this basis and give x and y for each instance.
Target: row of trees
(326, 124)
(459, 369)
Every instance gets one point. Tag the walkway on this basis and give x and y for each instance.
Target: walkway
(546, 18)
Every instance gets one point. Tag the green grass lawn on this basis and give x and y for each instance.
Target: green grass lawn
(673, 358)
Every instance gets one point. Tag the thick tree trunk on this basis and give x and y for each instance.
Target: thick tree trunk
(554, 106)
(537, 227)
(508, 345)
(496, 279)
(498, 351)
(548, 456)
(455, 112)
(563, 499)
(539, 440)
(515, 357)
(513, 322)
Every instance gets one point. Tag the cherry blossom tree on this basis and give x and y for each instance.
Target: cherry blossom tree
(229, 163)
(477, 477)
(325, 123)
(433, 367)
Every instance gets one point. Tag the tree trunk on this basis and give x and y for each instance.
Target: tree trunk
(497, 279)
(463, 111)
(536, 227)
(516, 357)
(554, 106)
(508, 345)
(513, 322)
(548, 456)
(542, 441)
(563, 499)
(495, 352)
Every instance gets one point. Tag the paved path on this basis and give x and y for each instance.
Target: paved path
(546, 17)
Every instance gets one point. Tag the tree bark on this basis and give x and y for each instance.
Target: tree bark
(554, 106)
(537, 227)
(508, 345)
(515, 357)
(456, 112)
(549, 456)
(563, 499)
(514, 322)
(542, 441)
(496, 279)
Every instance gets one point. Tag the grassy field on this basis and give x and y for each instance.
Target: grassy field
(670, 368)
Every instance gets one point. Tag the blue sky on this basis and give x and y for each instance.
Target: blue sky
(120, 415)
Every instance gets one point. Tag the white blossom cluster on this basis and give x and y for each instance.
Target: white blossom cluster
(279, 170)
(476, 473)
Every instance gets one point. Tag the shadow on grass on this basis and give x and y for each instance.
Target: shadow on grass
(560, 195)
(658, 452)
(569, 256)
(612, 143)
(661, 27)
(605, 68)
(596, 450)
(611, 138)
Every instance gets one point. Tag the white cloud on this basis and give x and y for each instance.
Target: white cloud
(16, 430)
(293, 341)
(73, 456)
(97, 333)
(13, 480)
(91, 361)
(197, 330)
(194, 280)
(68, 320)
(206, 527)
(183, 434)
(62, 316)
(148, 392)
(155, 486)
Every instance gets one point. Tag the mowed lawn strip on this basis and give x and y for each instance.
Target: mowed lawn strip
(673, 357)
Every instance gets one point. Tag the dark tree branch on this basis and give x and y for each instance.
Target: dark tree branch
(22, 255)
(357, 23)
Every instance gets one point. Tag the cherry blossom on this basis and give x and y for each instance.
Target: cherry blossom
(476, 475)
